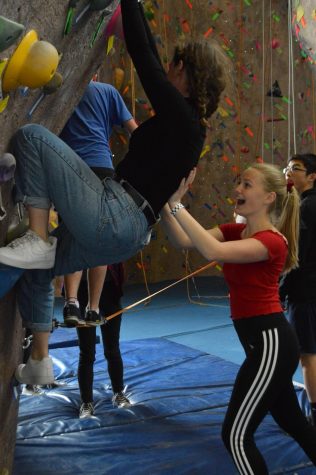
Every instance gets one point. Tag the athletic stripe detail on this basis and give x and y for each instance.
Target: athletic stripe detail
(237, 451)
(252, 399)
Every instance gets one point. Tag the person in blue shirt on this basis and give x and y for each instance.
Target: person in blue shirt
(89, 300)
(88, 132)
(109, 221)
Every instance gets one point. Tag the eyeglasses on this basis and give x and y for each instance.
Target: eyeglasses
(294, 168)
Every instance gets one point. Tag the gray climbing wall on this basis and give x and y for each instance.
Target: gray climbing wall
(77, 65)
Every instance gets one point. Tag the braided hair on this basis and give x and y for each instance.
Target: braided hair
(206, 68)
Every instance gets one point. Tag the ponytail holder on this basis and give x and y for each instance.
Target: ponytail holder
(289, 187)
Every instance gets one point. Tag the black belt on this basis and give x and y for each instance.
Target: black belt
(140, 201)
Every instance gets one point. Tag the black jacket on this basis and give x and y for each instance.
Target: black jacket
(164, 148)
(299, 285)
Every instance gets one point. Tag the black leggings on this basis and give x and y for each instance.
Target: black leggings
(264, 384)
(111, 343)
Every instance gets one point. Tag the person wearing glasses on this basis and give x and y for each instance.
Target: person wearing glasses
(298, 287)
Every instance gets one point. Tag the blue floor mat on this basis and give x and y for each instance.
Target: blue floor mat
(179, 397)
(65, 337)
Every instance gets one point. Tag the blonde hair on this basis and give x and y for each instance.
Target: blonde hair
(207, 69)
(284, 211)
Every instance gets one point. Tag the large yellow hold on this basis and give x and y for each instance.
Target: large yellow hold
(32, 64)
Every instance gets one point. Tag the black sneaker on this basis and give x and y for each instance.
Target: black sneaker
(86, 410)
(93, 318)
(72, 315)
(120, 400)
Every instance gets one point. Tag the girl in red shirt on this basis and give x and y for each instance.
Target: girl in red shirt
(253, 256)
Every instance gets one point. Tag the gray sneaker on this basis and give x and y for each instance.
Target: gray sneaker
(29, 252)
(86, 410)
(32, 390)
(36, 372)
(120, 400)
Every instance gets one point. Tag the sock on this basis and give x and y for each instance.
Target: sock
(313, 410)
(73, 301)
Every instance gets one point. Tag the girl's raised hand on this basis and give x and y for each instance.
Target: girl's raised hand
(183, 188)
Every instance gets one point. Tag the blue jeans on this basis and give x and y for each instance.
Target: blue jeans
(101, 222)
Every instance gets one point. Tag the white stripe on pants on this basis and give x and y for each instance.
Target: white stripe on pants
(252, 398)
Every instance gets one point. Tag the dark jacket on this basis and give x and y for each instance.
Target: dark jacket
(299, 285)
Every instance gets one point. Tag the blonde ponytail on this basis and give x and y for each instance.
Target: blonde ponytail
(284, 210)
(288, 225)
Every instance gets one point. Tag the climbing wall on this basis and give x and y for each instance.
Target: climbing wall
(79, 60)
(266, 113)
(257, 119)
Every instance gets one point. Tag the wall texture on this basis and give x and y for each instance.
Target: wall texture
(249, 125)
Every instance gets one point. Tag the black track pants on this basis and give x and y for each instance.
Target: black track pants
(264, 384)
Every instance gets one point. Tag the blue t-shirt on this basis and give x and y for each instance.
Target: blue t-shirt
(89, 128)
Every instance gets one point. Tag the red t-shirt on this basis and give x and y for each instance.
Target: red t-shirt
(254, 287)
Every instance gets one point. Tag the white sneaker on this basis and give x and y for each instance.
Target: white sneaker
(29, 252)
(36, 372)
(86, 410)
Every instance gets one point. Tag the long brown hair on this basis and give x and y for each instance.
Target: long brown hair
(206, 67)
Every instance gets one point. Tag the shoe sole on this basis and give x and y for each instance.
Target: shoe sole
(8, 261)
(36, 381)
(86, 417)
(92, 324)
(72, 322)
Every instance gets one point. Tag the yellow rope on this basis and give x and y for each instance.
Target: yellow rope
(133, 90)
(314, 112)
(129, 307)
(145, 276)
(165, 30)
(239, 81)
(196, 302)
